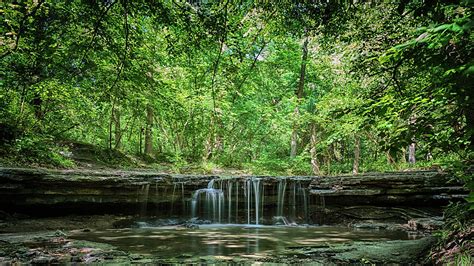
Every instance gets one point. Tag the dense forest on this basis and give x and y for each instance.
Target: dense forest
(358, 115)
(298, 88)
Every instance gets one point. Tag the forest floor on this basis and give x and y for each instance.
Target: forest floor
(78, 155)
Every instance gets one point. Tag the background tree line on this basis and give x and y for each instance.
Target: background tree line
(300, 88)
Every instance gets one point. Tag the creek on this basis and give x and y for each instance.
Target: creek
(231, 239)
(142, 216)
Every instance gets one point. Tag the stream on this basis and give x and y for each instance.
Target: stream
(231, 239)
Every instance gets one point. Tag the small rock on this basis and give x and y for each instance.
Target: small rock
(429, 224)
(184, 255)
(191, 226)
(88, 258)
(76, 259)
(135, 256)
(32, 253)
(41, 260)
(59, 233)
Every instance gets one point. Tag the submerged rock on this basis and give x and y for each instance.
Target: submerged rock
(372, 252)
(191, 226)
(59, 233)
(42, 260)
(396, 251)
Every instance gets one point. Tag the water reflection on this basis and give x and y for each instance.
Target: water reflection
(229, 240)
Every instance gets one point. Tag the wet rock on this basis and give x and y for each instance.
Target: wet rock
(397, 251)
(90, 259)
(36, 191)
(144, 261)
(414, 188)
(428, 224)
(199, 221)
(185, 255)
(136, 256)
(76, 259)
(59, 233)
(372, 252)
(370, 216)
(124, 223)
(32, 253)
(374, 226)
(42, 260)
(191, 226)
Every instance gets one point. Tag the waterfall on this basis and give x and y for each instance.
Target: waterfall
(256, 190)
(222, 200)
(229, 198)
(281, 196)
(214, 202)
(143, 198)
(249, 195)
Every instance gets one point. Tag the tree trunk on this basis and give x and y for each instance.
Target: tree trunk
(304, 58)
(469, 115)
(355, 166)
(299, 95)
(411, 153)
(118, 130)
(328, 162)
(390, 159)
(140, 145)
(404, 155)
(37, 106)
(111, 121)
(313, 151)
(411, 148)
(294, 134)
(148, 130)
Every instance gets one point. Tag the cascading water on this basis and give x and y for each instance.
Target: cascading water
(213, 202)
(251, 201)
(281, 196)
(142, 196)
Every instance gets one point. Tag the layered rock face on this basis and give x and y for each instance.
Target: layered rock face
(47, 192)
(416, 188)
(373, 199)
(40, 192)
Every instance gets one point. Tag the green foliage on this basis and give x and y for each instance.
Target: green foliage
(454, 238)
(220, 79)
(36, 150)
(268, 166)
(457, 217)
